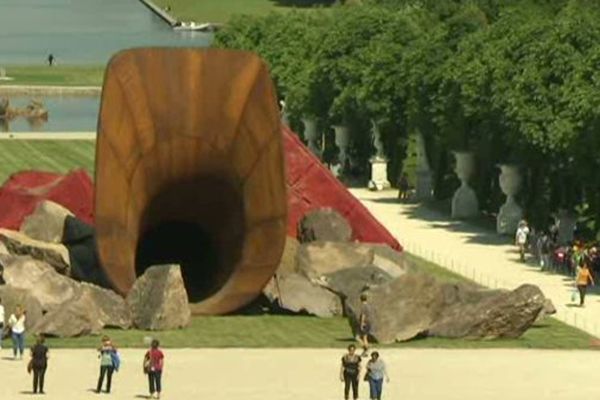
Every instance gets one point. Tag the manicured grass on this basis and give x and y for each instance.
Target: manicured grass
(59, 75)
(221, 10)
(45, 155)
(264, 330)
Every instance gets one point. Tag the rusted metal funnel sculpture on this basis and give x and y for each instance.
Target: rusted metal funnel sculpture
(190, 170)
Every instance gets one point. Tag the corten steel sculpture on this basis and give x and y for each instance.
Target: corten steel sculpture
(190, 170)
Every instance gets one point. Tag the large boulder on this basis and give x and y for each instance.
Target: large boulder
(417, 304)
(288, 262)
(47, 222)
(324, 224)
(12, 297)
(295, 293)
(158, 299)
(351, 282)
(320, 258)
(53, 254)
(74, 318)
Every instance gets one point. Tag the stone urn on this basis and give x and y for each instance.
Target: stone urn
(424, 187)
(510, 212)
(342, 141)
(311, 134)
(464, 201)
(379, 179)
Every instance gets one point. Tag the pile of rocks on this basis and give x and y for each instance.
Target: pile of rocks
(42, 268)
(324, 274)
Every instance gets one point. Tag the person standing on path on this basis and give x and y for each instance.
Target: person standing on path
(584, 278)
(350, 371)
(16, 323)
(521, 237)
(39, 363)
(153, 366)
(376, 371)
(403, 187)
(50, 59)
(1, 323)
(106, 351)
(364, 324)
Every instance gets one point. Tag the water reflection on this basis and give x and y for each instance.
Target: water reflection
(82, 31)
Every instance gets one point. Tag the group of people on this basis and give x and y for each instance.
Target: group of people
(153, 361)
(375, 370)
(575, 259)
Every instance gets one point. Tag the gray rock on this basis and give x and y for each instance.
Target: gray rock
(320, 258)
(417, 304)
(498, 315)
(46, 223)
(110, 310)
(12, 297)
(548, 309)
(325, 224)
(158, 299)
(295, 293)
(288, 263)
(73, 318)
(351, 282)
(53, 254)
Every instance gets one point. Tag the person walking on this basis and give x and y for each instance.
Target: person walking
(376, 371)
(364, 324)
(50, 60)
(38, 364)
(545, 252)
(521, 237)
(106, 353)
(350, 371)
(403, 187)
(16, 322)
(1, 323)
(584, 278)
(153, 366)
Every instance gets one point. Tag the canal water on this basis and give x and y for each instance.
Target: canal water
(82, 31)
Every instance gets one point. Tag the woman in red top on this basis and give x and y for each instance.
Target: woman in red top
(153, 366)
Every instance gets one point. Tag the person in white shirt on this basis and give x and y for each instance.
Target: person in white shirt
(521, 238)
(1, 323)
(16, 322)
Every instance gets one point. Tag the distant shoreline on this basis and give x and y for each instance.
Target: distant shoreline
(42, 90)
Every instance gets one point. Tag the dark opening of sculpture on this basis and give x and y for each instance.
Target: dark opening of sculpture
(190, 170)
(199, 224)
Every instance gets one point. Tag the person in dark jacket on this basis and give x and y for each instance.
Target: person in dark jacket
(39, 364)
(350, 371)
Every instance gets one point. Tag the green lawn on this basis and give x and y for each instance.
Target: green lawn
(221, 10)
(258, 331)
(45, 155)
(59, 75)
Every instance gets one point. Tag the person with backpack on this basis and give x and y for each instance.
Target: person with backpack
(365, 319)
(350, 371)
(153, 367)
(38, 364)
(108, 355)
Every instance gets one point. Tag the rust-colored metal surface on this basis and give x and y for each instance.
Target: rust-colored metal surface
(190, 170)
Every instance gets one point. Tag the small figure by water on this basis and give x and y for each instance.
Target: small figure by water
(50, 59)
(350, 371)
(364, 324)
(16, 323)
(584, 278)
(108, 358)
(376, 372)
(521, 237)
(38, 364)
(153, 367)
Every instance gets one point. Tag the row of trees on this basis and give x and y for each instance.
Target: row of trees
(513, 80)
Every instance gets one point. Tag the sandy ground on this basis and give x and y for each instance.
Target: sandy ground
(295, 374)
(48, 136)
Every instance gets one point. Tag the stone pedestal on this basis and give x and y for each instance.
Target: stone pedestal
(510, 212)
(311, 134)
(379, 179)
(464, 202)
